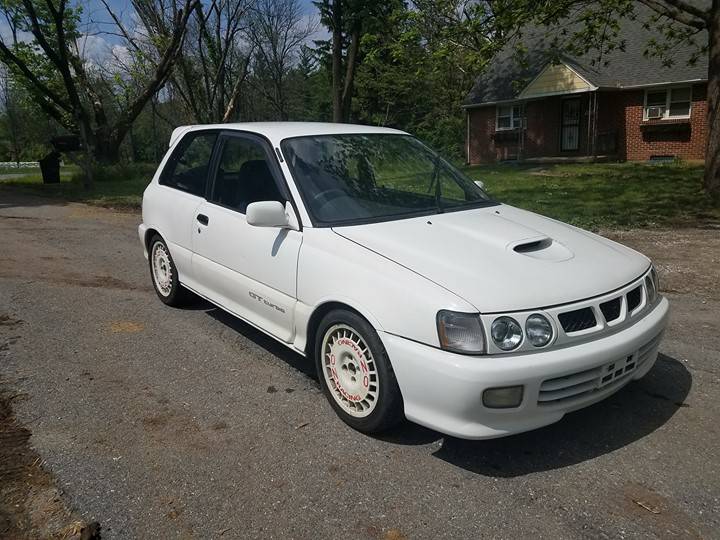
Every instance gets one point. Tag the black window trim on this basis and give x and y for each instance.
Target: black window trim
(275, 170)
(192, 133)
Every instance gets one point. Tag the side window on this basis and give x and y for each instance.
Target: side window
(187, 168)
(244, 175)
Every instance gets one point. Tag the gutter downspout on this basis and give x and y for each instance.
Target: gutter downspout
(588, 127)
(467, 137)
(595, 123)
(521, 135)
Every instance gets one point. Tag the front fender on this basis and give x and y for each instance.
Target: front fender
(392, 298)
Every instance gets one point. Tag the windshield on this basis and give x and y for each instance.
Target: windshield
(348, 179)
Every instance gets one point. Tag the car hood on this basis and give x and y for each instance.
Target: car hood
(501, 258)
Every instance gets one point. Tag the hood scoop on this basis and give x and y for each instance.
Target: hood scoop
(542, 248)
(533, 245)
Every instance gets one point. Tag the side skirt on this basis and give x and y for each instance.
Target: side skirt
(290, 346)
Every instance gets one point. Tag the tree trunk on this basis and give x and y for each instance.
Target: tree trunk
(337, 57)
(107, 148)
(712, 152)
(10, 111)
(87, 160)
(349, 85)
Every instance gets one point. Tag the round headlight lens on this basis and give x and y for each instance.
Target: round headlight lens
(539, 330)
(506, 333)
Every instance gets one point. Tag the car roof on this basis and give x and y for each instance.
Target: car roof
(277, 131)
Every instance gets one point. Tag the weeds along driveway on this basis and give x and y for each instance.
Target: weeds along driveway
(166, 423)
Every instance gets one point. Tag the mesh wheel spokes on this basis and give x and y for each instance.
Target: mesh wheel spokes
(162, 270)
(350, 370)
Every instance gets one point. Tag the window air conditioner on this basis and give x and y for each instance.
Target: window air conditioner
(654, 113)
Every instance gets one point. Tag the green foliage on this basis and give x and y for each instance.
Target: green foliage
(134, 173)
(308, 95)
(24, 130)
(412, 79)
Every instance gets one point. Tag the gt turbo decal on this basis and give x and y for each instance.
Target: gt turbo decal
(259, 298)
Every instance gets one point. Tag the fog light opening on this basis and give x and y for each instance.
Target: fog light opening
(507, 397)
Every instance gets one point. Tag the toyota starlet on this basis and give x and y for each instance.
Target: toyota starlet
(416, 294)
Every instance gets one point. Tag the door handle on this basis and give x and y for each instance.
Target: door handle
(202, 218)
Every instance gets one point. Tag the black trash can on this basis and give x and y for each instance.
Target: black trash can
(50, 168)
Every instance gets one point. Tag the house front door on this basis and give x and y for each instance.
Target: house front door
(570, 125)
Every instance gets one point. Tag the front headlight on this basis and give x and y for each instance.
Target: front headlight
(460, 332)
(506, 333)
(538, 329)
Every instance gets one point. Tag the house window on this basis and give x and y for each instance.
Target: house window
(508, 117)
(668, 103)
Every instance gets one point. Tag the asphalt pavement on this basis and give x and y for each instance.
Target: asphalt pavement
(187, 423)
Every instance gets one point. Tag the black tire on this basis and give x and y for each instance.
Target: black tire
(177, 294)
(388, 403)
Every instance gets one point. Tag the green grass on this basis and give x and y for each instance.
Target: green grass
(117, 186)
(613, 195)
(592, 196)
(19, 170)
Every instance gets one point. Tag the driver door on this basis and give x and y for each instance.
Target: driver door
(248, 270)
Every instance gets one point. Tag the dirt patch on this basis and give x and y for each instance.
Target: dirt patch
(155, 422)
(103, 209)
(687, 260)
(68, 278)
(126, 327)
(657, 512)
(30, 504)
(7, 320)
(20, 217)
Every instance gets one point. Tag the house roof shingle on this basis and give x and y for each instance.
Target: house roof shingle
(505, 77)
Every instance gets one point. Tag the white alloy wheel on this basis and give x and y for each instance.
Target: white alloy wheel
(349, 370)
(162, 269)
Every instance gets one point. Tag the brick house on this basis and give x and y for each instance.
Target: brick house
(557, 107)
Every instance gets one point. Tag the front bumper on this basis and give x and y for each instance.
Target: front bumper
(443, 390)
(142, 231)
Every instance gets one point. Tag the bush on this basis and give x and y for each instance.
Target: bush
(120, 172)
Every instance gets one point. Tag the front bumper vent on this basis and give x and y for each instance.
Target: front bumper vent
(583, 384)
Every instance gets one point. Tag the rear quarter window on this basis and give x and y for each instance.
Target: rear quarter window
(187, 168)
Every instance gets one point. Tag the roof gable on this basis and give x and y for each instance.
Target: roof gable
(556, 79)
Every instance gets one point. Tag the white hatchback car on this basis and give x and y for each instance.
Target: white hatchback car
(417, 295)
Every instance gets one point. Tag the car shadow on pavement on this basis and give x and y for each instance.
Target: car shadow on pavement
(14, 197)
(629, 415)
(196, 303)
(291, 358)
(633, 413)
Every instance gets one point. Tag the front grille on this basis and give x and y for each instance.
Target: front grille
(634, 298)
(611, 309)
(582, 384)
(580, 319)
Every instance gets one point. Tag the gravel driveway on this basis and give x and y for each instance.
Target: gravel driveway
(167, 423)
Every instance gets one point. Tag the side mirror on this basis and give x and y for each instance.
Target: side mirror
(267, 214)
(480, 184)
